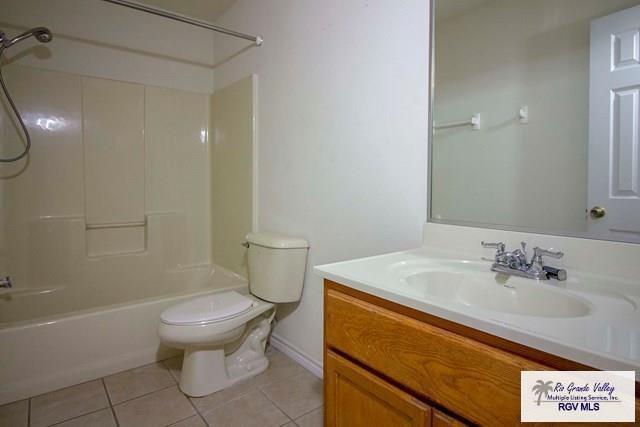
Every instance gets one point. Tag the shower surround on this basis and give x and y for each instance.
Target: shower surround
(102, 226)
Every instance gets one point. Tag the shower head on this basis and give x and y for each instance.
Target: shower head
(42, 34)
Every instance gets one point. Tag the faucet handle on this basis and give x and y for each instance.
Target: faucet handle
(499, 246)
(537, 265)
(539, 252)
(523, 245)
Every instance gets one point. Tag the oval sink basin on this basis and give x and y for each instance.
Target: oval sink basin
(485, 293)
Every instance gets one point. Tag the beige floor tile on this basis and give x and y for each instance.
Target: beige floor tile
(14, 414)
(68, 403)
(137, 382)
(312, 419)
(280, 367)
(103, 418)
(160, 408)
(212, 401)
(194, 421)
(174, 365)
(250, 410)
(296, 395)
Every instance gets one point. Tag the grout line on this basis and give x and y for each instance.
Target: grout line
(106, 392)
(113, 412)
(77, 416)
(29, 412)
(64, 388)
(196, 409)
(279, 408)
(102, 380)
(281, 380)
(146, 394)
(163, 362)
(183, 419)
(307, 413)
(215, 408)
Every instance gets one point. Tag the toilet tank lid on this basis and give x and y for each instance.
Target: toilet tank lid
(276, 240)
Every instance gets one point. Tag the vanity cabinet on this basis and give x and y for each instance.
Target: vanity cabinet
(389, 365)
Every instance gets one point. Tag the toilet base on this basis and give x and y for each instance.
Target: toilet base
(207, 370)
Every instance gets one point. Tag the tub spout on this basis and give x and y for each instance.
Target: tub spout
(5, 282)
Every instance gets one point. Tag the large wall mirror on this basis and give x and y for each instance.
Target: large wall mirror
(536, 116)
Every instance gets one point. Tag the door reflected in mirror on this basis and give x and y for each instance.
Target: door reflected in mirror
(536, 116)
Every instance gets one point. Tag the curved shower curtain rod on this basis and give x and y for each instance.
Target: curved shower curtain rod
(202, 24)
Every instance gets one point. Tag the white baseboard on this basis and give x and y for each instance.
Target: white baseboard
(296, 354)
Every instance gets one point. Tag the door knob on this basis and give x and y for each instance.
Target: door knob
(597, 212)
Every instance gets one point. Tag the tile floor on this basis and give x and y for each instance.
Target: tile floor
(284, 395)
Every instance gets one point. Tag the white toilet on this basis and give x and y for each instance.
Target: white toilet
(224, 335)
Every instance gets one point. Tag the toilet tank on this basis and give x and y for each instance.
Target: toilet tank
(276, 266)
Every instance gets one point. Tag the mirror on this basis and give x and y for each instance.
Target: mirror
(536, 116)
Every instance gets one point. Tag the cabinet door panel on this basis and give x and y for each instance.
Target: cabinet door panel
(357, 398)
(441, 419)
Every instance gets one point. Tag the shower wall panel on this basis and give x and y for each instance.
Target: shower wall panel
(113, 123)
(104, 151)
(232, 156)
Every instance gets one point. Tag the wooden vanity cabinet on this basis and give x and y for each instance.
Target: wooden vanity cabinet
(389, 365)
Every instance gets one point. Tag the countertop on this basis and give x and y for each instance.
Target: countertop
(606, 338)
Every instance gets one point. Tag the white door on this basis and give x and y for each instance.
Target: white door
(614, 127)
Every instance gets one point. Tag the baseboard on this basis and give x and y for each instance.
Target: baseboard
(296, 354)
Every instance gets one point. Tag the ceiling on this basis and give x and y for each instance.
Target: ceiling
(446, 9)
(206, 10)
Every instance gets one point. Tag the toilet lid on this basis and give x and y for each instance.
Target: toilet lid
(207, 309)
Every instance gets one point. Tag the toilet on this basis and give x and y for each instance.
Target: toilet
(224, 334)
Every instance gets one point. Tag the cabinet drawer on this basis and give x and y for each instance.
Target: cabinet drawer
(476, 381)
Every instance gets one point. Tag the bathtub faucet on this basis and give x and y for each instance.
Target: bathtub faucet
(5, 282)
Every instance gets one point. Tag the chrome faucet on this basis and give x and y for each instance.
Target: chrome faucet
(5, 282)
(516, 263)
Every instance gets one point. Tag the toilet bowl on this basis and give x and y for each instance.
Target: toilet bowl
(203, 327)
(224, 335)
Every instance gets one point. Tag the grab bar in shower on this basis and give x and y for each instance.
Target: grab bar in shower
(99, 226)
(474, 123)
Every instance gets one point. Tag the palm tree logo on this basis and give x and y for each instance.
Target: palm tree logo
(542, 388)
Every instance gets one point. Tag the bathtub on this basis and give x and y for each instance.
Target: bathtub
(43, 350)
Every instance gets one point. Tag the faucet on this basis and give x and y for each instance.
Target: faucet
(5, 282)
(516, 263)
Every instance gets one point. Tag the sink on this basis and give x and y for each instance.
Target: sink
(484, 292)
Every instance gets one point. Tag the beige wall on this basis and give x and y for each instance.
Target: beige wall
(232, 118)
(342, 130)
(492, 60)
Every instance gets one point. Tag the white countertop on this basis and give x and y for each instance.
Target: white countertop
(606, 338)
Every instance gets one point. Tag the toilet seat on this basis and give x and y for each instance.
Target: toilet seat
(207, 309)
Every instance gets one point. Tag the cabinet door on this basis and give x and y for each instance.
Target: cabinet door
(443, 420)
(356, 397)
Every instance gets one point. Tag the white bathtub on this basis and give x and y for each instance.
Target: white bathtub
(47, 353)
